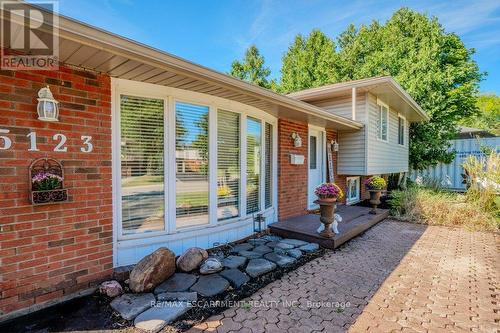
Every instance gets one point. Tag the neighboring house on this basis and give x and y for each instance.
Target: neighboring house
(469, 142)
(158, 151)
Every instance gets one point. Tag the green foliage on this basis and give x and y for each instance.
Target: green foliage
(309, 62)
(432, 65)
(252, 68)
(375, 183)
(488, 117)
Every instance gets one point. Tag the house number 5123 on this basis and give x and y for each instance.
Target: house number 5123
(58, 138)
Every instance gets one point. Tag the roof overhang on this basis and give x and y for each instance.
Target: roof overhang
(385, 88)
(91, 48)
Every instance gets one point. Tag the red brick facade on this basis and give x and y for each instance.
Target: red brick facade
(49, 251)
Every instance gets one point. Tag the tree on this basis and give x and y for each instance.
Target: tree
(309, 62)
(488, 117)
(252, 69)
(432, 65)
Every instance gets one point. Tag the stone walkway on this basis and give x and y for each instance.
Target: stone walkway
(396, 277)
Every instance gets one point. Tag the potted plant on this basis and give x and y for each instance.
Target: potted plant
(375, 185)
(328, 194)
(47, 187)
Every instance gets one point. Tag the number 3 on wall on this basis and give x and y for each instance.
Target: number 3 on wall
(86, 141)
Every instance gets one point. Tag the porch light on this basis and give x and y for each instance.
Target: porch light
(258, 221)
(297, 140)
(48, 107)
(335, 145)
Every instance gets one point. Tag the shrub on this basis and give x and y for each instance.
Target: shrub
(375, 183)
(434, 207)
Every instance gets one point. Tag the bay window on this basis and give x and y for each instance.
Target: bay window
(184, 163)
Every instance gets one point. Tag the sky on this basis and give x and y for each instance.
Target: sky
(213, 33)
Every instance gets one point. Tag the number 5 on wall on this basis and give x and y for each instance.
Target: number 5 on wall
(7, 143)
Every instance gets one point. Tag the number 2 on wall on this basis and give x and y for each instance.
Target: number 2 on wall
(62, 141)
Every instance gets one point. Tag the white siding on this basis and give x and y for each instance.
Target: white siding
(351, 156)
(385, 156)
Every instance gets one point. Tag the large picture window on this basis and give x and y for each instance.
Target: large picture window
(228, 164)
(254, 143)
(191, 158)
(142, 160)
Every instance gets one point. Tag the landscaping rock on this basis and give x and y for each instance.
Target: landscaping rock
(241, 247)
(272, 244)
(234, 261)
(280, 260)
(272, 238)
(294, 253)
(257, 241)
(154, 319)
(235, 277)
(111, 288)
(178, 282)
(250, 254)
(308, 248)
(294, 242)
(284, 246)
(191, 259)
(210, 285)
(210, 266)
(131, 305)
(152, 270)
(181, 296)
(122, 273)
(257, 267)
(262, 249)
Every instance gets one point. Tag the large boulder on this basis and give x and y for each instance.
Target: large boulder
(191, 259)
(152, 270)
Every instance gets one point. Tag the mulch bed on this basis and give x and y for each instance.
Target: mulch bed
(94, 313)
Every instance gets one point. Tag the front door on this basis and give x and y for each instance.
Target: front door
(316, 164)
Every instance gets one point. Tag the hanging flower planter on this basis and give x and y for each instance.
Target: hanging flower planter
(46, 180)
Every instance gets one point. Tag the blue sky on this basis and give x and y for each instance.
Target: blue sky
(215, 32)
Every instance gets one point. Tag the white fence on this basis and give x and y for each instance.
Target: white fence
(450, 175)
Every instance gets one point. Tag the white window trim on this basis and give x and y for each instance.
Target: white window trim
(171, 96)
(404, 130)
(379, 115)
(358, 199)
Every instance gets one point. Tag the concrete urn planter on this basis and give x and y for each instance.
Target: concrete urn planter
(327, 211)
(374, 200)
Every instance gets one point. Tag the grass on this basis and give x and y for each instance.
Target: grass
(439, 207)
(142, 180)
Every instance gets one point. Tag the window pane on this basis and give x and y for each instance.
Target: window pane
(191, 158)
(401, 131)
(228, 164)
(312, 152)
(269, 165)
(383, 123)
(254, 130)
(142, 126)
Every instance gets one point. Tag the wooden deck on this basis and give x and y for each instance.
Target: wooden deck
(356, 220)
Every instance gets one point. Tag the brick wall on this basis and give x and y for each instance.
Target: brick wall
(292, 179)
(49, 251)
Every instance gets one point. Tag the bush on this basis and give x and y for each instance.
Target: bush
(435, 207)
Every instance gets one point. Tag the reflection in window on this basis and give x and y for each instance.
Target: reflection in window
(228, 164)
(191, 157)
(312, 153)
(269, 165)
(142, 186)
(254, 142)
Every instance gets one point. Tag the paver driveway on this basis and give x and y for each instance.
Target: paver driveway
(397, 276)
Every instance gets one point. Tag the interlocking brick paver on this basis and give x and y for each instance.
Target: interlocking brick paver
(397, 277)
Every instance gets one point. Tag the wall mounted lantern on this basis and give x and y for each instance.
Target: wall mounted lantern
(335, 145)
(297, 140)
(48, 107)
